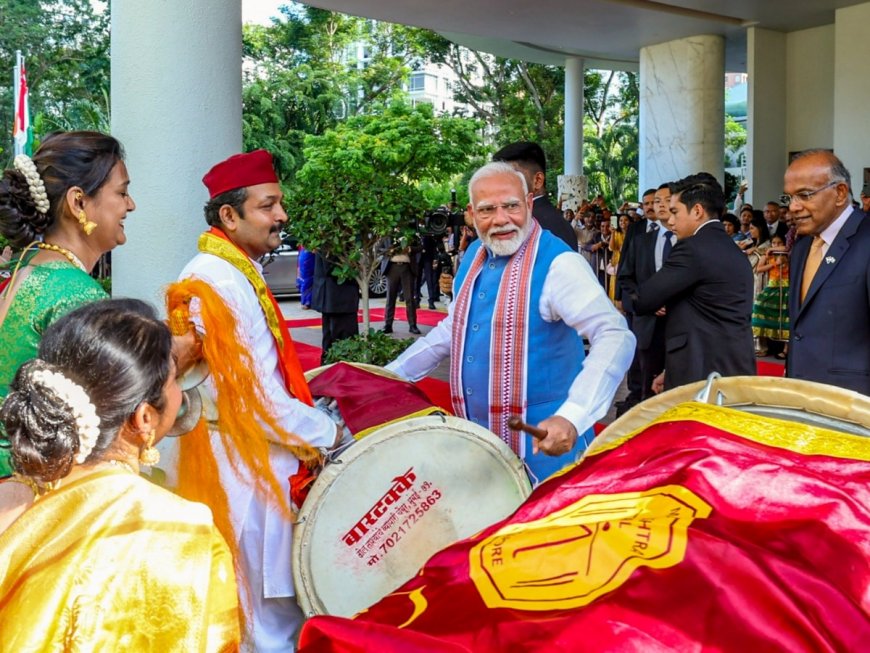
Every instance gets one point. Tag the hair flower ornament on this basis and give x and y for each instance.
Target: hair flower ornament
(25, 165)
(84, 412)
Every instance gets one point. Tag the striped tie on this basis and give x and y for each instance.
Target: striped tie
(814, 260)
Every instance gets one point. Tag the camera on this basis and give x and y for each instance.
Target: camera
(437, 221)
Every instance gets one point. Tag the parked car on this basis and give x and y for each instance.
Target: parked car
(281, 267)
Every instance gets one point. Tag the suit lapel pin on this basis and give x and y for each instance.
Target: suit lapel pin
(830, 260)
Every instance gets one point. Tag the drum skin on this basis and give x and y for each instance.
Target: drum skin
(790, 399)
(392, 500)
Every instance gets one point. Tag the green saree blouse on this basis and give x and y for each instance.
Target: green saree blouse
(50, 291)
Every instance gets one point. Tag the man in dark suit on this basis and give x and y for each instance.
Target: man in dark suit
(775, 226)
(649, 216)
(706, 288)
(829, 298)
(529, 159)
(338, 302)
(645, 256)
(634, 380)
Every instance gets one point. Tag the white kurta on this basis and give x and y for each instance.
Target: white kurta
(572, 294)
(307, 422)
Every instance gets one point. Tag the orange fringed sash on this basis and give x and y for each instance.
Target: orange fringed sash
(215, 242)
(245, 423)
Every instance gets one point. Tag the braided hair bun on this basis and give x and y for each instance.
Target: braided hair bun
(40, 425)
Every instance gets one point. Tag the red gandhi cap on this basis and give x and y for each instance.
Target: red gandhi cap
(240, 171)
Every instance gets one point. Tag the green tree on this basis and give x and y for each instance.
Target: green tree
(525, 101)
(303, 75)
(66, 46)
(735, 140)
(611, 162)
(361, 182)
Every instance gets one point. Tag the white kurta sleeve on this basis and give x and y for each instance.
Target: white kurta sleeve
(572, 294)
(310, 424)
(424, 355)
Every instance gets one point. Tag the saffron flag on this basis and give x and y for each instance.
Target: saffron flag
(22, 131)
(709, 529)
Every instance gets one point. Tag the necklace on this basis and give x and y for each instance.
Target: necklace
(122, 463)
(72, 258)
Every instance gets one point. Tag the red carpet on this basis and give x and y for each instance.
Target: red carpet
(424, 316)
(767, 368)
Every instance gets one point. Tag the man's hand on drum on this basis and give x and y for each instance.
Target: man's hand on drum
(187, 349)
(561, 436)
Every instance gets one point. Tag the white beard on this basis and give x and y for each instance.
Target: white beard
(506, 247)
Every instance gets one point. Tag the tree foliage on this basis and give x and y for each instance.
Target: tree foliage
(313, 68)
(361, 182)
(66, 47)
(519, 100)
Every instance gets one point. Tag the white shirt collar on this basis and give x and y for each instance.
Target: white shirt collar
(830, 234)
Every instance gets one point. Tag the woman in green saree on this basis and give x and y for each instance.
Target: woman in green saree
(63, 209)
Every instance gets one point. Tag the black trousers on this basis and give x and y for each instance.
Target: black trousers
(633, 379)
(337, 326)
(652, 359)
(428, 274)
(400, 273)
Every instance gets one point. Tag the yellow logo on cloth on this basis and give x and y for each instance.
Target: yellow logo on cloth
(571, 557)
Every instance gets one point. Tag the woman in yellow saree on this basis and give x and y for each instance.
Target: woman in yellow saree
(102, 559)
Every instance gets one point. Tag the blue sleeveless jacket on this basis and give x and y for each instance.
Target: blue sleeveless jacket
(554, 357)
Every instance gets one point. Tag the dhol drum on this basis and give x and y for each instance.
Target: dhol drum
(795, 400)
(384, 505)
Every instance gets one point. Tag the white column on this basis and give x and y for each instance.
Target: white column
(574, 116)
(177, 108)
(851, 95)
(682, 109)
(766, 111)
(572, 185)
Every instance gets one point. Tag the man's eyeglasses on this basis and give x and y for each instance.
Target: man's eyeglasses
(489, 210)
(805, 195)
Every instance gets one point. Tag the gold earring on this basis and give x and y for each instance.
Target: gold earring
(86, 224)
(149, 455)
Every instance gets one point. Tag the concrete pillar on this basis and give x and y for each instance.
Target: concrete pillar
(682, 109)
(851, 94)
(574, 116)
(177, 108)
(572, 185)
(766, 153)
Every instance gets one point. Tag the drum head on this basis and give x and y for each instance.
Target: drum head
(817, 404)
(389, 502)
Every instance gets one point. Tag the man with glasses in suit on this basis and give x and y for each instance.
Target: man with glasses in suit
(829, 300)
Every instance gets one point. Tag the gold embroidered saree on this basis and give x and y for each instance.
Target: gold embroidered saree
(111, 562)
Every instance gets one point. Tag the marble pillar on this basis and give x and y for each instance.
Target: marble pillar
(177, 108)
(682, 109)
(573, 189)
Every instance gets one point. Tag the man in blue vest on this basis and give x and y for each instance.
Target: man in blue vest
(514, 332)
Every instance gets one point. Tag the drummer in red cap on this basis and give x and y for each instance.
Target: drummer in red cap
(245, 219)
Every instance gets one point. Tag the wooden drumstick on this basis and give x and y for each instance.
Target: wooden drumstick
(516, 424)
